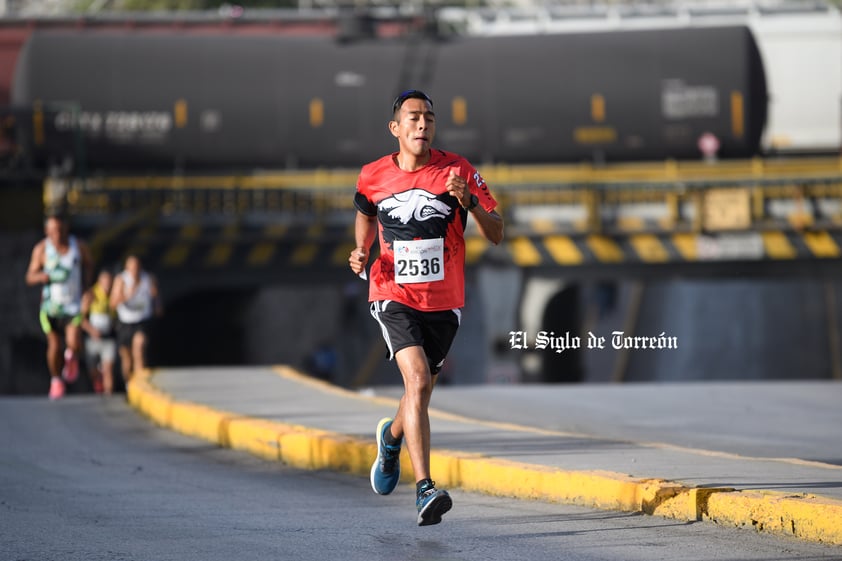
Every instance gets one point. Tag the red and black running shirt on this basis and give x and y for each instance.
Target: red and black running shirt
(415, 205)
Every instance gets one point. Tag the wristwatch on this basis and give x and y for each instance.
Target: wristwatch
(473, 204)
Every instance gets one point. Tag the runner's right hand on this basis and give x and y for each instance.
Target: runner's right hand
(358, 259)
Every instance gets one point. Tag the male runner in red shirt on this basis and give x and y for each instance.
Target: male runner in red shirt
(417, 202)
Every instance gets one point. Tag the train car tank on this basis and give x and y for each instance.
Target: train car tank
(142, 101)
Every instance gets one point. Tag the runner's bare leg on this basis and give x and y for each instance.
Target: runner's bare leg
(412, 419)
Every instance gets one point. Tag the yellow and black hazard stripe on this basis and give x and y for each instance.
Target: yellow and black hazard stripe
(200, 245)
(649, 248)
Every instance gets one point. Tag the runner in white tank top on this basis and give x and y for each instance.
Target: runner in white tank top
(137, 305)
(63, 265)
(135, 297)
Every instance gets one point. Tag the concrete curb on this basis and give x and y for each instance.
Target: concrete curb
(803, 516)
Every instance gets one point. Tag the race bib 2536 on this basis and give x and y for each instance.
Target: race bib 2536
(419, 260)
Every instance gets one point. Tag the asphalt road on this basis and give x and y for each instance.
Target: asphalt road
(88, 479)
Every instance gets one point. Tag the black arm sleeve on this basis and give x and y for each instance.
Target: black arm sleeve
(364, 205)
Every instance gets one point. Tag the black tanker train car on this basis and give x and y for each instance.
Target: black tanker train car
(142, 101)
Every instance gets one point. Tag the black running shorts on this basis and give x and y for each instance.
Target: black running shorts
(126, 331)
(404, 327)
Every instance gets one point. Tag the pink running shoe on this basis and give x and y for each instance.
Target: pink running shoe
(70, 372)
(56, 389)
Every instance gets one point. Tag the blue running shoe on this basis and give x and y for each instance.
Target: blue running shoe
(386, 470)
(432, 503)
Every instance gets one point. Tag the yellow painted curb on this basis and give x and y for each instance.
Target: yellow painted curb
(148, 399)
(802, 516)
(256, 437)
(807, 517)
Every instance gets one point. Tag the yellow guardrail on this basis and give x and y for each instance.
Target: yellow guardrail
(667, 172)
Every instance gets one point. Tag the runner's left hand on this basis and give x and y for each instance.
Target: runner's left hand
(458, 187)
